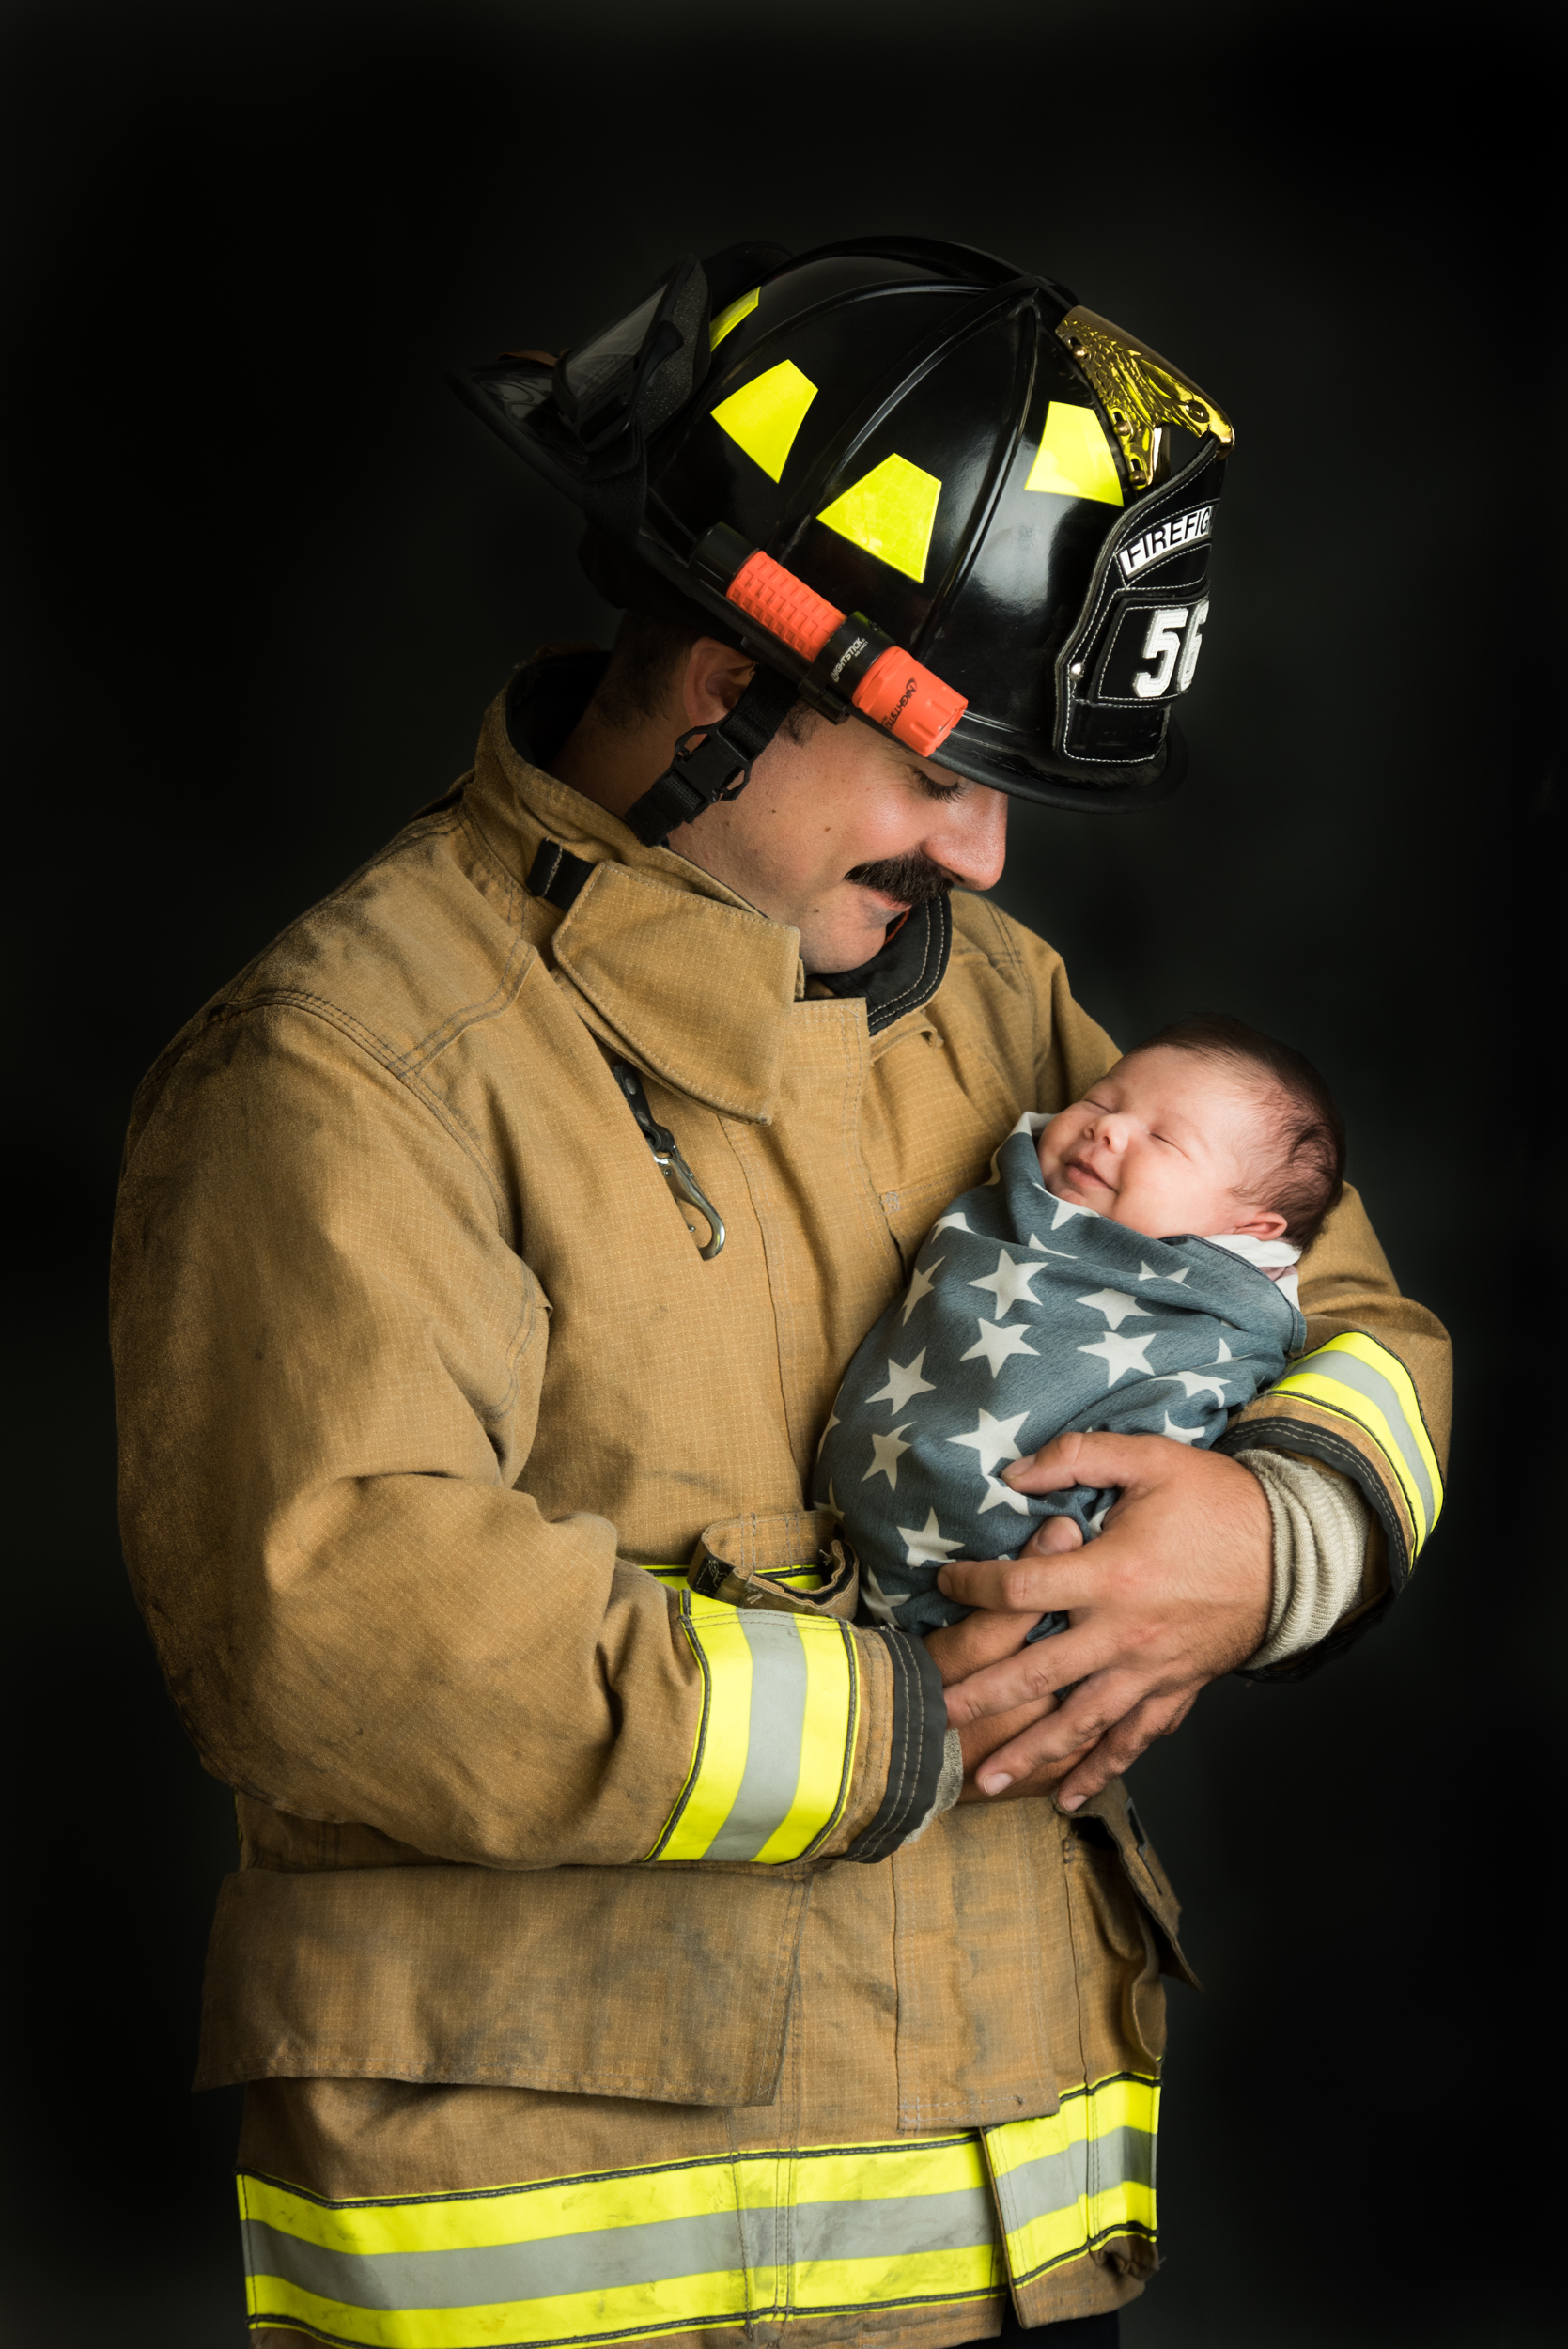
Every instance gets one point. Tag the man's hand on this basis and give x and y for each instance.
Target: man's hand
(1175, 1594)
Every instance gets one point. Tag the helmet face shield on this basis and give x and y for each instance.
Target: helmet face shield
(1012, 491)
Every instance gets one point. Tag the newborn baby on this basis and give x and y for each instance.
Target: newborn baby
(1129, 1266)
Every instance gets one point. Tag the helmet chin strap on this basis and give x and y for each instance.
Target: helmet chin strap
(713, 763)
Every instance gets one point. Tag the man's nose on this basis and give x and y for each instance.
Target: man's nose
(967, 837)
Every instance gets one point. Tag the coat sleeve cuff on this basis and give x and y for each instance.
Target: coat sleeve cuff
(918, 1747)
(1322, 1534)
(1352, 1404)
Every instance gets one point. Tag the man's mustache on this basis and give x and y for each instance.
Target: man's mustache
(913, 880)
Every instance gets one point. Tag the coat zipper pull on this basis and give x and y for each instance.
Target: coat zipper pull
(683, 1185)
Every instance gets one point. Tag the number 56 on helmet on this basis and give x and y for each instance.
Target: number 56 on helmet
(924, 487)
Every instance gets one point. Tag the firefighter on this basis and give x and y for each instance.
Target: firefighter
(624, 1945)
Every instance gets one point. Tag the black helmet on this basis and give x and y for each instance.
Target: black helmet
(928, 453)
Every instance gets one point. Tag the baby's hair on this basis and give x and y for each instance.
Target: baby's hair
(1306, 1176)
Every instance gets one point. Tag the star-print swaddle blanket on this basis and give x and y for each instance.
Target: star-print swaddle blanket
(1027, 1317)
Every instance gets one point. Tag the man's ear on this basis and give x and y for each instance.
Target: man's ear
(716, 677)
(1261, 1223)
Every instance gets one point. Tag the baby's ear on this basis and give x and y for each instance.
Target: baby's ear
(1262, 1224)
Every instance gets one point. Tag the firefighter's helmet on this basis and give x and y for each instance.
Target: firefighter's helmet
(916, 484)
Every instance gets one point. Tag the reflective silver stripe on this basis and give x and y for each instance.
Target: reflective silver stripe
(1055, 2181)
(914, 2223)
(1349, 1370)
(775, 1733)
(771, 1767)
(606, 2258)
(599, 2260)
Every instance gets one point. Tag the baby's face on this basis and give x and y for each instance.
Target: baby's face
(1163, 1143)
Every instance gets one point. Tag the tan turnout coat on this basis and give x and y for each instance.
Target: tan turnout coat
(420, 1372)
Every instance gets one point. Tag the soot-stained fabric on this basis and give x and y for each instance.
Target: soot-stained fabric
(1027, 1317)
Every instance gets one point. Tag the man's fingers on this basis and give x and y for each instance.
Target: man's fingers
(1121, 1746)
(1080, 1720)
(980, 1638)
(1105, 1741)
(1052, 1538)
(1175, 1592)
(1095, 1460)
(982, 1738)
(1021, 1586)
(1039, 1670)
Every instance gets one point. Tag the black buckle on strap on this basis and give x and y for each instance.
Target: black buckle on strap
(716, 767)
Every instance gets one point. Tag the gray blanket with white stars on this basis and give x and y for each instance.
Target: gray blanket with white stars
(1027, 1317)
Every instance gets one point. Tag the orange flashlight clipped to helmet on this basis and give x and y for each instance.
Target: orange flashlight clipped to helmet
(850, 657)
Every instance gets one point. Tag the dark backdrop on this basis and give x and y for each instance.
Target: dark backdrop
(269, 573)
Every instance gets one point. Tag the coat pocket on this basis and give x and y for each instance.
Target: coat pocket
(669, 1983)
(1111, 1813)
(793, 1561)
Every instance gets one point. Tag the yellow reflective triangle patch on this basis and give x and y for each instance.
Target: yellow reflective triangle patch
(764, 416)
(727, 320)
(890, 513)
(1074, 458)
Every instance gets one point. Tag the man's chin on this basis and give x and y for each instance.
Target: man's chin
(845, 944)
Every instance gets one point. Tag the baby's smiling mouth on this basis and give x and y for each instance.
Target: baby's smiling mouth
(1074, 1170)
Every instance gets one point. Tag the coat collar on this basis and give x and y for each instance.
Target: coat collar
(671, 966)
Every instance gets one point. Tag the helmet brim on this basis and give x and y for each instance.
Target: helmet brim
(1047, 787)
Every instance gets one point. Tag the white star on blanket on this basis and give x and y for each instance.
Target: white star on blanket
(1122, 1355)
(1009, 1283)
(1181, 1434)
(991, 1440)
(886, 1452)
(1001, 1496)
(1116, 1305)
(1195, 1382)
(905, 1380)
(921, 1285)
(877, 1603)
(927, 1547)
(994, 1344)
(1065, 1212)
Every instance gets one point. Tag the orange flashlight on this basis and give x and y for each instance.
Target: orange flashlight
(849, 654)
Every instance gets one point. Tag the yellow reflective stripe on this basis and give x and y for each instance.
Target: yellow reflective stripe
(718, 1764)
(770, 1769)
(566, 2206)
(1067, 2181)
(673, 1578)
(467, 2222)
(727, 320)
(1355, 1377)
(618, 2257)
(968, 2271)
(622, 2255)
(573, 2316)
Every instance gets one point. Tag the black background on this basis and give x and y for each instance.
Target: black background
(268, 575)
